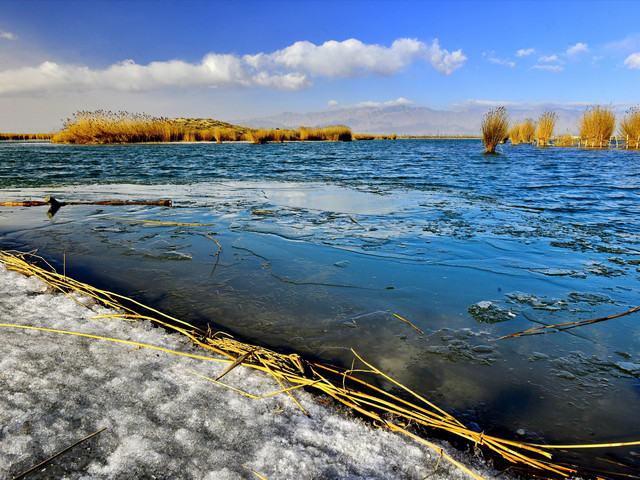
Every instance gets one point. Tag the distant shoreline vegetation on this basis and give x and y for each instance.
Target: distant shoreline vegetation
(104, 127)
(25, 136)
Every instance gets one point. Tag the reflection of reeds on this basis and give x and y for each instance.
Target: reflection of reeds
(495, 128)
(392, 411)
(630, 128)
(596, 126)
(544, 132)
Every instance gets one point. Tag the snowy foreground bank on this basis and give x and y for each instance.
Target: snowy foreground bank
(161, 420)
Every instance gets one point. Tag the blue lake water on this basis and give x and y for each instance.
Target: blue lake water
(322, 243)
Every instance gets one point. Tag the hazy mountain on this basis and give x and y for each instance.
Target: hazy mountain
(405, 118)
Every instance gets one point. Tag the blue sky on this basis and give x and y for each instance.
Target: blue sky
(241, 59)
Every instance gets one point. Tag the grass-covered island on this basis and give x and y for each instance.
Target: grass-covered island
(104, 127)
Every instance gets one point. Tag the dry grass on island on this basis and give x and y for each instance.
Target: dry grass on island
(104, 127)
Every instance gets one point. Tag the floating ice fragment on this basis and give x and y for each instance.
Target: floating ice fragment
(628, 367)
(486, 312)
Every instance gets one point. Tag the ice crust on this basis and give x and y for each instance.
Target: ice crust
(162, 421)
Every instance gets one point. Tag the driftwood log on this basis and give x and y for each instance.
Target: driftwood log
(55, 204)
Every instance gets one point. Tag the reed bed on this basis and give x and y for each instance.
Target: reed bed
(523, 132)
(407, 413)
(597, 126)
(367, 136)
(630, 128)
(25, 136)
(546, 125)
(105, 127)
(495, 128)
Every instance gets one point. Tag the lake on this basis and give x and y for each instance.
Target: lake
(324, 245)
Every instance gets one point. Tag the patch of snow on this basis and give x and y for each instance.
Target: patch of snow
(162, 421)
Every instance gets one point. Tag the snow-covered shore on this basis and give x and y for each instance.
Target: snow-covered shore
(161, 420)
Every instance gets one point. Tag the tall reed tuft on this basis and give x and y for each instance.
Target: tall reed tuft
(495, 128)
(515, 134)
(597, 126)
(630, 128)
(528, 131)
(546, 125)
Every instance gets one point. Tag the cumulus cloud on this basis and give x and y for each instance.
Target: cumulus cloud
(352, 58)
(577, 49)
(8, 35)
(525, 52)
(551, 68)
(291, 68)
(333, 103)
(633, 61)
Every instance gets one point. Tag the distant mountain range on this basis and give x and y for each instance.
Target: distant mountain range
(405, 118)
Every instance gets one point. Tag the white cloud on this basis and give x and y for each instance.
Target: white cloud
(490, 56)
(633, 61)
(8, 35)
(525, 52)
(548, 58)
(333, 103)
(551, 68)
(215, 71)
(291, 68)
(352, 58)
(629, 44)
(389, 103)
(577, 49)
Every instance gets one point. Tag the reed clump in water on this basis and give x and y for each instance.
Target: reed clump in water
(630, 128)
(514, 134)
(495, 128)
(546, 125)
(523, 132)
(597, 125)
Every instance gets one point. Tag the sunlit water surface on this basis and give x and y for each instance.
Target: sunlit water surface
(322, 243)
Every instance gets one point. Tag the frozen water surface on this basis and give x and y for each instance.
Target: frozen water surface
(321, 244)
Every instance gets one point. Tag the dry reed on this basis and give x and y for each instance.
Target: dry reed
(597, 125)
(103, 127)
(495, 128)
(523, 132)
(546, 125)
(514, 134)
(391, 411)
(630, 128)
(564, 141)
(25, 136)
